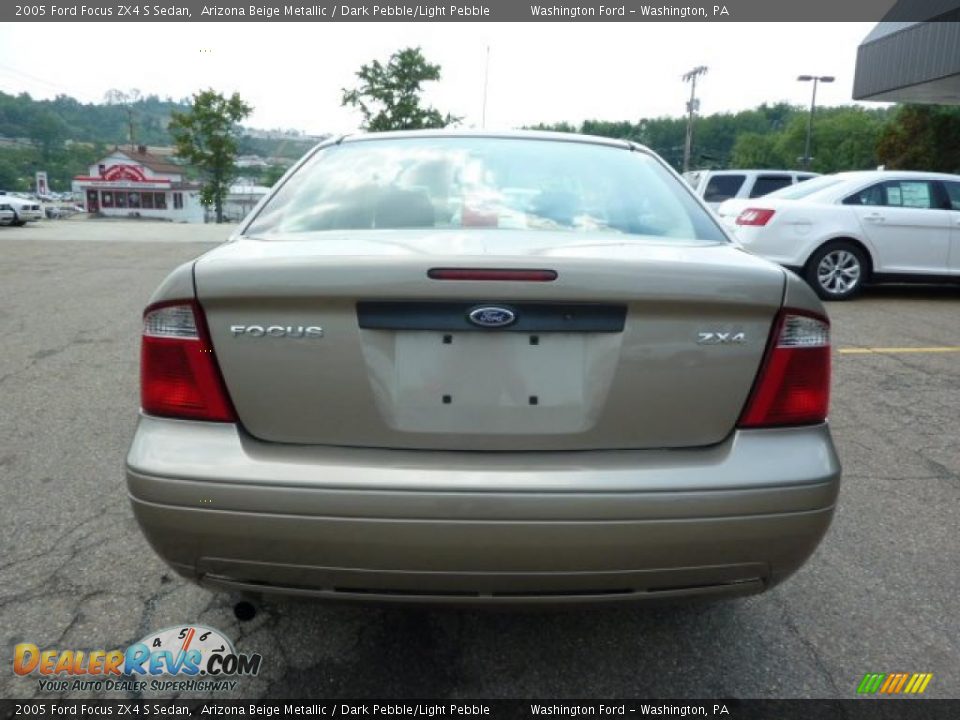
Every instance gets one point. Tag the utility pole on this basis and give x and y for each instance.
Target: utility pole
(486, 78)
(813, 106)
(692, 106)
(130, 133)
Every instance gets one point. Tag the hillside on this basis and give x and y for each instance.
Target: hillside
(65, 118)
(62, 136)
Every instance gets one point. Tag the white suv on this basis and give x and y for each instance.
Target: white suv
(6, 213)
(716, 186)
(23, 210)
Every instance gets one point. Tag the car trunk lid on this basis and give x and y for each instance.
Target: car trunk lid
(343, 339)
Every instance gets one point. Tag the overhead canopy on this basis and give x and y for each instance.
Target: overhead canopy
(916, 59)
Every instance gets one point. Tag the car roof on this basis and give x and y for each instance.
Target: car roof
(892, 174)
(504, 134)
(739, 171)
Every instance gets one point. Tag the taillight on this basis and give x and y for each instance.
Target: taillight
(793, 387)
(755, 216)
(179, 376)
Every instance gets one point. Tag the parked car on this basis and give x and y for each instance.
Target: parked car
(24, 210)
(475, 367)
(716, 186)
(6, 213)
(846, 230)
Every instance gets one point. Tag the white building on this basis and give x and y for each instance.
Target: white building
(241, 199)
(251, 161)
(134, 183)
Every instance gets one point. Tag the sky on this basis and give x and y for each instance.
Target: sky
(293, 73)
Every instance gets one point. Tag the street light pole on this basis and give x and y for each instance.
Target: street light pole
(692, 107)
(813, 105)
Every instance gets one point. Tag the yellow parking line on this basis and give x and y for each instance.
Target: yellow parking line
(897, 350)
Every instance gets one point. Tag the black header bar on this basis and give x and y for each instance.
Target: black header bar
(470, 11)
(873, 708)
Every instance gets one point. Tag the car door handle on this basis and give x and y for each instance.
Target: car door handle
(874, 217)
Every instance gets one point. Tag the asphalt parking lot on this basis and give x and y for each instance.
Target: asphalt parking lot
(882, 594)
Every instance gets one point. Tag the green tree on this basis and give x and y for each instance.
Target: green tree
(10, 178)
(756, 150)
(206, 136)
(389, 96)
(560, 127)
(844, 138)
(921, 137)
(47, 131)
(272, 174)
(768, 136)
(848, 140)
(622, 130)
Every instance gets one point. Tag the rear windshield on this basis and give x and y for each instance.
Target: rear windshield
(464, 182)
(766, 184)
(723, 187)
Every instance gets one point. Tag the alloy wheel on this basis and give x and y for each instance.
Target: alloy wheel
(839, 272)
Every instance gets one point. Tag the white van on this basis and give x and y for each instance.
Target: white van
(716, 186)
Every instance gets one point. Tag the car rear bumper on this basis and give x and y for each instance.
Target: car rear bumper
(231, 512)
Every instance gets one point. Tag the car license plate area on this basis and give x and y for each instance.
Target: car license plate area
(490, 382)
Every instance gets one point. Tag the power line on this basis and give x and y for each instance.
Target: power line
(35, 78)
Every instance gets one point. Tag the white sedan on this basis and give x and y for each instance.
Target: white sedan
(842, 231)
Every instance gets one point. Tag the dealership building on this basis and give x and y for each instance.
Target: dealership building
(912, 57)
(134, 183)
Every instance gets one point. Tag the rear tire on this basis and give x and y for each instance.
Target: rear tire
(17, 222)
(837, 271)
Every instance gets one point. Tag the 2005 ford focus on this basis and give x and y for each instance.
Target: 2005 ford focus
(456, 367)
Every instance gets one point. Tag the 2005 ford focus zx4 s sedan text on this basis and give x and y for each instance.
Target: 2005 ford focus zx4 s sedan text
(476, 367)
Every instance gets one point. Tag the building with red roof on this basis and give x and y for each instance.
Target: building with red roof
(131, 182)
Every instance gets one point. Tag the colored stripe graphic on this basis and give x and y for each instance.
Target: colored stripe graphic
(898, 685)
(870, 683)
(888, 683)
(894, 683)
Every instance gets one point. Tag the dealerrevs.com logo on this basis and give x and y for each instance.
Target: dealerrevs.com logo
(181, 658)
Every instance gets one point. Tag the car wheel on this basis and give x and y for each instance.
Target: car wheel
(837, 271)
(17, 222)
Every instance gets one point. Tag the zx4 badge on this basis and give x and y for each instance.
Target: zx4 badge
(721, 338)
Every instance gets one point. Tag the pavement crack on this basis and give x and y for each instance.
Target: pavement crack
(811, 648)
(58, 541)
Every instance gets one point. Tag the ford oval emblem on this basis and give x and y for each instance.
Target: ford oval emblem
(492, 316)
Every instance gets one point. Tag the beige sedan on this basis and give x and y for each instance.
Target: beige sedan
(484, 368)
